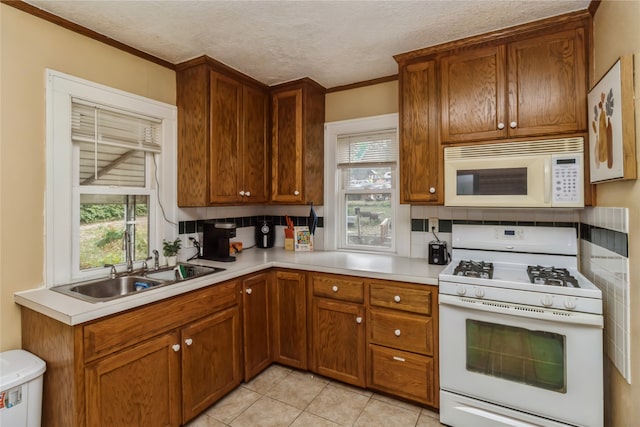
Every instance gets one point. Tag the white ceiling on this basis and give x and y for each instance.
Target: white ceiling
(333, 42)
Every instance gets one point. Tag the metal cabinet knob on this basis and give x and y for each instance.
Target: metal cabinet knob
(513, 125)
(358, 319)
(296, 193)
(175, 347)
(334, 288)
(432, 190)
(188, 341)
(501, 126)
(397, 332)
(396, 298)
(248, 291)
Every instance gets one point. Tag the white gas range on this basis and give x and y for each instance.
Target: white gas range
(520, 330)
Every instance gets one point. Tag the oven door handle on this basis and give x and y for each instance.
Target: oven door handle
(520, 310)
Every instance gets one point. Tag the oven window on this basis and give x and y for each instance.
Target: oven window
(535, 358)
(492, 182)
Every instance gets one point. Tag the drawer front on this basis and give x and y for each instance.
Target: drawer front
(401, 298)
(408, 332)
(338, 287)
(402, 374)
(109, 335)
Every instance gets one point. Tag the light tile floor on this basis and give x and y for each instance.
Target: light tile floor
(281, 396)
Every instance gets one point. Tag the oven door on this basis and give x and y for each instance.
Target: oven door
(519, 359)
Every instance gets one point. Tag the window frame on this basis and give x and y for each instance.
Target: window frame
(62, 201)
(334, 223)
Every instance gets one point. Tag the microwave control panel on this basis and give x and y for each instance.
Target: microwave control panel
(566, 175)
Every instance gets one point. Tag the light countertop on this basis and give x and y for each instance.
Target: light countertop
(73, 311)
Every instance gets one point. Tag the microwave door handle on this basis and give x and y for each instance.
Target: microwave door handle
(547, 180)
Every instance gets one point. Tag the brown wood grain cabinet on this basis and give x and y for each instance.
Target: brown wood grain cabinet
(223, 141)
(338, 328)
(420, 152)
(402, 340)
(525, 88)
(160, 364)
(256, 318)
(289, 318)
(297, 142)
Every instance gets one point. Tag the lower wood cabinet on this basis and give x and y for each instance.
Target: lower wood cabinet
(139, 386)
(256, 318)
(289, 318)
(211, 355)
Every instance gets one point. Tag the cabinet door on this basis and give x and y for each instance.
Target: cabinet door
(289, 319)
(211, 357)
(257, 344)
(136, 387)
(287, 144)
(420, 158)
(339, 341)
(473, 101)
(225, 170)
(547, 84)
(256, 165)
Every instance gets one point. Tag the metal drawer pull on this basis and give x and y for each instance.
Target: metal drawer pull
(188, 341)
(334, 288)
(358, 319)
(396, 298)
(176, 347)
(399, 359)
(397, 332)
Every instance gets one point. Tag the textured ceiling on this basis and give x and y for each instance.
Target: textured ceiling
(333, 42)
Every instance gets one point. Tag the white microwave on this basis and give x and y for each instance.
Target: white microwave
(526, 174)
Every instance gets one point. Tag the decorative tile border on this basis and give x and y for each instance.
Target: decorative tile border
(188, 227)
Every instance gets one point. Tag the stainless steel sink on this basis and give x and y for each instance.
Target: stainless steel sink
(109, 289)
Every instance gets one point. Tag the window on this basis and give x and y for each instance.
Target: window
(367, 170)
(363, 213)
(108, 178)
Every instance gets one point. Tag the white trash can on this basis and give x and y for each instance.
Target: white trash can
(20, 389)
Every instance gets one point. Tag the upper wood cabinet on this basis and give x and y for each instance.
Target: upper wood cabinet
(420, 151)
(223, 143)
(297, 142)
(528, 87)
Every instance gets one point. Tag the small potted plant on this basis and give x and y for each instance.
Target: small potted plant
(170, 250)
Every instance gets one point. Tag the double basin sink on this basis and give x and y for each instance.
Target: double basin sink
(101, 290)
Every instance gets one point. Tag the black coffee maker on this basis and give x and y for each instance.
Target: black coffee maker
(216, 241)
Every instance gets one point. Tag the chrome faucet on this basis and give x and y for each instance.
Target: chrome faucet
(127, 250)
(156, 260)
(113, 273)
(144, 265)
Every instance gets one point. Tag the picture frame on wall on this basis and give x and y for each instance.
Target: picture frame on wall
(612, 147)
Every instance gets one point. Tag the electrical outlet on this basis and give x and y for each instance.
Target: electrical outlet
(433, 225)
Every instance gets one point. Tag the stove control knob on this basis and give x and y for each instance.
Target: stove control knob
(461, 290)
(570, 303)
(480, 292)
(547, 300)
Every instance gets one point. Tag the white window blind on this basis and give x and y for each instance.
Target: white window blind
(367, 149)
(113, 144)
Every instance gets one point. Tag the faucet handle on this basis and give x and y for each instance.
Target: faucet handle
(145, 267)
(113, 273)
(156, 260)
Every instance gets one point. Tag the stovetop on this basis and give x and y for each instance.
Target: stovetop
(513, 264)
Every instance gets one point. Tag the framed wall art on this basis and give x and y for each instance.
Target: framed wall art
(612, 142)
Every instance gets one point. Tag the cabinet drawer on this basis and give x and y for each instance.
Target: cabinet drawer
(338, 287)
(109, 335)
(402, 374)
(400, 298)
(402, 331)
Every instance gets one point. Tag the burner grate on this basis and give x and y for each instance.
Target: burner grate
(551, 276)
(470, 268)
